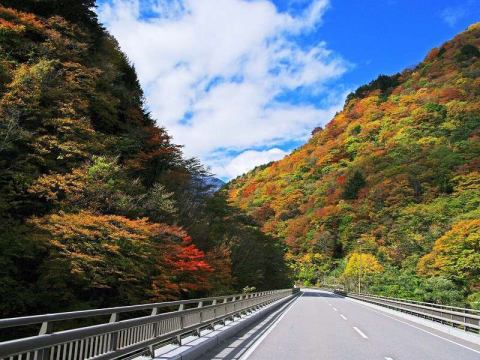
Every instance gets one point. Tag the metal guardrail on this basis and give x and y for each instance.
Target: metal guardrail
(125, 338)
(466, 319)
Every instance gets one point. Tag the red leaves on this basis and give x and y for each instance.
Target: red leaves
(112, 252)
(182, 268)
(450, 93)
(326, 211)
(249, 189)
(341, 180)
(156, 149)
(190, 258)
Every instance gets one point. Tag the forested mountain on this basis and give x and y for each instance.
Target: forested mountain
(389, 191)
(97, 206)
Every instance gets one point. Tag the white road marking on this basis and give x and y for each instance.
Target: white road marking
(418, 328)
(360, 332)
(258, 341)
(388, 358)
(329, 304)
(343, 317)
(335, 309)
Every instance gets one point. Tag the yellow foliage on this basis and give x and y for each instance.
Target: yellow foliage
(53, 186)
(360, 264)
(456, 254)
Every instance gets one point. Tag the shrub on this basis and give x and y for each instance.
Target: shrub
(467, 52)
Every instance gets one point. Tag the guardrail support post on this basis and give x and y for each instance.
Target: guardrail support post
(151, 349)
(178, 338)
(114, 335)
(198, 330)
(212, 325)
(225, 300)
(46, 328)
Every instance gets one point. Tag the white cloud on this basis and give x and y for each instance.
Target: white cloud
(452, 15)
(247, 160)
(213, 70)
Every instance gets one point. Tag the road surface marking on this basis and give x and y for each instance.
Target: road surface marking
(343, 317)
(258, 341)
(388, 358)
(335, 309)
(329, 304)
(418, 328)
(360, 332)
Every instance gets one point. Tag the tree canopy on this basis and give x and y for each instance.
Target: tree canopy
(394, 174)
(98, 206)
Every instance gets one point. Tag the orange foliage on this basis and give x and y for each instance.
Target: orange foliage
(114, 252)
(409, 135)
(247, 191)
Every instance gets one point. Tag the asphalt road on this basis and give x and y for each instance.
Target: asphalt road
(321, 325)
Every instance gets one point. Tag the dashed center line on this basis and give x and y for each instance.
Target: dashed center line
(343, 317)
(418, 328)
(335, 309)
(360, 332)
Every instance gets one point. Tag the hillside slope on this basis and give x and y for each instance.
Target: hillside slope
(389, 191)
(97, 206)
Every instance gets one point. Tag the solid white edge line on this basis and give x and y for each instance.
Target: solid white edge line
(343, 317)
(418, 328)
(257, 343)
(360, 332)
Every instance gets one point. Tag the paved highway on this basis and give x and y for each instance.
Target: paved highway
(321, 325)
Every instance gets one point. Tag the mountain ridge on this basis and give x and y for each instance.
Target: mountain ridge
(390, 175)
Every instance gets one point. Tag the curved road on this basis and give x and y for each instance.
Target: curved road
(321, 325)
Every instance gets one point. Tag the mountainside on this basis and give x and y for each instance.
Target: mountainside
(97, 206)
(389, 191)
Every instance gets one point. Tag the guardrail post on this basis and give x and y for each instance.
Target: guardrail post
(151, 349)
(235, 307)
(114, 335)
(46, 328)
(212, 325)
(240, 312)
(178, 339)
(245, 306)
(225, 300)
(234, 300)
(200, 305)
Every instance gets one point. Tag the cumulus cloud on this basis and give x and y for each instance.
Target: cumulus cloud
(215, 73)
(247, 160)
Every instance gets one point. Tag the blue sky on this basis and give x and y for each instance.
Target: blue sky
(387, 36)
(240, 83)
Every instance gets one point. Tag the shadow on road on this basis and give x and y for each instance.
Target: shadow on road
(235, 348)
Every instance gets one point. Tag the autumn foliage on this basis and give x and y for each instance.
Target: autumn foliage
(456, 255)
(393, 175)
(97, 206)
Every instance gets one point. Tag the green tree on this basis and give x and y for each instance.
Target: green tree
(353, 186)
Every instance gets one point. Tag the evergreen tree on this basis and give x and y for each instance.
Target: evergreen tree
(353, 186)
